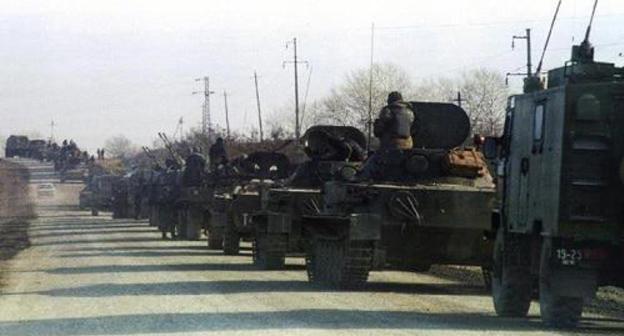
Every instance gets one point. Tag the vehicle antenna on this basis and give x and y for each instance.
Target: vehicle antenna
(552, 25)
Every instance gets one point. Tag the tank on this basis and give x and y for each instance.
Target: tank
(334, 153)
(406, 209)
(560, 223)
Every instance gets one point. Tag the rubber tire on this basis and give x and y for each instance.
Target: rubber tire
(339, 264)
(231, 238)
(511, 284)
(269, 251)
(557, 311)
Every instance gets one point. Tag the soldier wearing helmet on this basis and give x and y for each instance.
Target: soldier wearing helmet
(393, 127)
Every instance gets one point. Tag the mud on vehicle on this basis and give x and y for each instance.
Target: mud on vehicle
(278, 229)
(407, 209)
(561, 175)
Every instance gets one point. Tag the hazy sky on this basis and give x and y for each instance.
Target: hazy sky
(100, 68)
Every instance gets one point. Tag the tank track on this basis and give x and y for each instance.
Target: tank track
(269, 250)
(340, 264)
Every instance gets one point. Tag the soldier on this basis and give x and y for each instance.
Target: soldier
(217, 154)
(394, 130)
(393, 127)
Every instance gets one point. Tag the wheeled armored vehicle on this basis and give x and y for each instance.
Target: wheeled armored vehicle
(560, 223)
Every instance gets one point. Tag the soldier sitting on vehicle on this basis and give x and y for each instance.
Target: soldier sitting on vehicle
(194, 170)
(394, 125)
(217, 155)
(394, 129)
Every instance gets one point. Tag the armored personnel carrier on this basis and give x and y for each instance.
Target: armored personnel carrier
(561, 176)
(407, 209)
(334, 152)
(230, 211)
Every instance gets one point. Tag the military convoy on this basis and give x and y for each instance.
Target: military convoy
(549, 222)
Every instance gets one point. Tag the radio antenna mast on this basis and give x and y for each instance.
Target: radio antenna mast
(552, 25)
(591, 21)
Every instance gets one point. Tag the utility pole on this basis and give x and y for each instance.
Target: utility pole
(459, 100)
(526, 37)
(295, 63)
(370, 89)
(531, 81)
(206, 120)
(227, 114)
(258, 104)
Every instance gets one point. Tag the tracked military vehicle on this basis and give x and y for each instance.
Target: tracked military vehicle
(561, 176)
(120, 206)
(407, 209)
(334, 152)
(100, 192)
(195, 197)
(231, 211)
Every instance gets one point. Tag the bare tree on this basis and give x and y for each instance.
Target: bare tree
(120, 147)
(484, 96)
(483, 91)
(347, 104)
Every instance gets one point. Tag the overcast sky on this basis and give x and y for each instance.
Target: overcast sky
(100, 68)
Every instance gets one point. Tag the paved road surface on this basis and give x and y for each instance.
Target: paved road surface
(88, 275)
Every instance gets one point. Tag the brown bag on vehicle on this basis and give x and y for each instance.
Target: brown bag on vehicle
(465, 163)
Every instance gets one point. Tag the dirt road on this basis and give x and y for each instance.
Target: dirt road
(86, 275)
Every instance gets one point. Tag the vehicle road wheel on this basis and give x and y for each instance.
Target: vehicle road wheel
(95, 212)
(269, 250)
(557, 311)
(340, 264)
(511, 280)
(231, 239)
